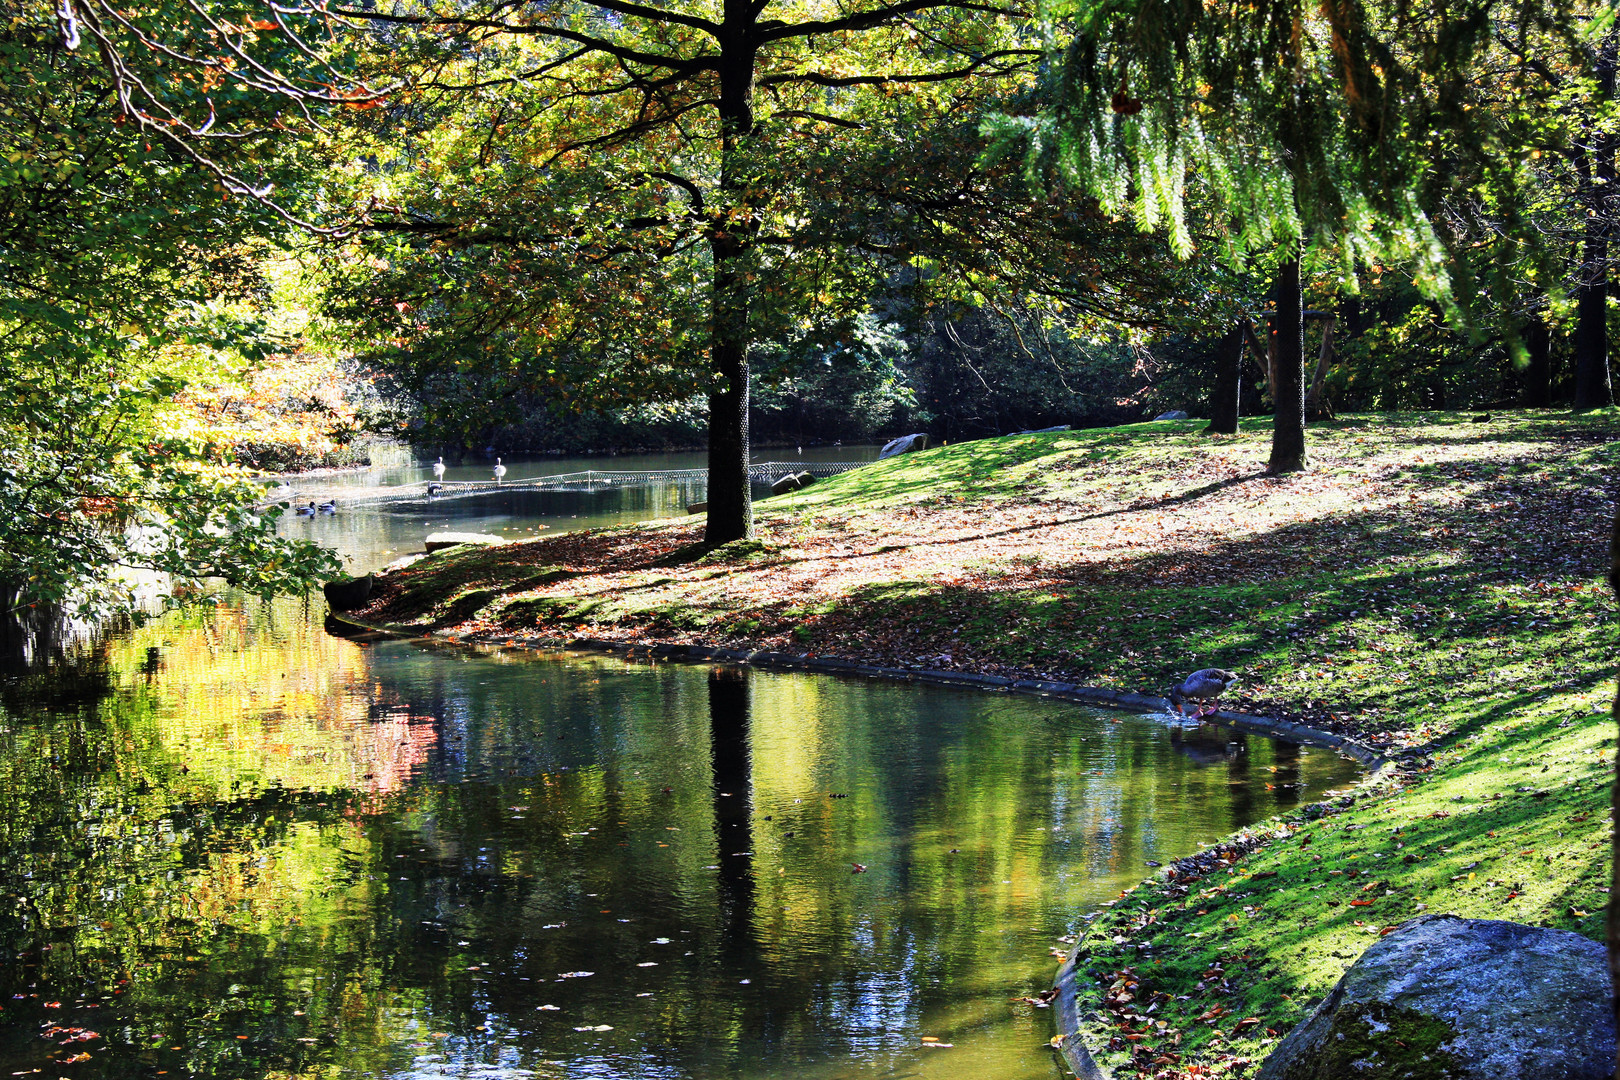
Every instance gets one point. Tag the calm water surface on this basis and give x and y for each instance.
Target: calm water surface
(369, 533)
(239, 847)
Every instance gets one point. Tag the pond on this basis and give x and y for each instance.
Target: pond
(372, 526)
(235, 846)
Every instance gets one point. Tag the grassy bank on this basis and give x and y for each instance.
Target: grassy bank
(1432, 586)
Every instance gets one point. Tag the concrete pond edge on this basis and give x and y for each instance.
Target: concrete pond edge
(1067, 1003)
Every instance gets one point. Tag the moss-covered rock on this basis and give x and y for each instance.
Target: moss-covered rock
(1446, 998)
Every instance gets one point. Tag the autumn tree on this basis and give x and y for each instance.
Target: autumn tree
(114, 257)
(601, 142)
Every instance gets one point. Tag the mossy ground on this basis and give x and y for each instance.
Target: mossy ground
(1432, 586)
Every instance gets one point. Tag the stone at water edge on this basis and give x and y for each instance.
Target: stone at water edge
(348, 595)
(905, 444)
(440, 540)
(1460, 999)
(792, 482)
(1173, 414)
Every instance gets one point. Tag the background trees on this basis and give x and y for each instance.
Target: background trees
(116, 263)
(621, 199)
(1359, 135)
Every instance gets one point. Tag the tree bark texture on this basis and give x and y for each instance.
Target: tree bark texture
(1225, 398)
(1613, 913)
(1288, 386)
(1592, 386)
(1538, 373)
(731, 505)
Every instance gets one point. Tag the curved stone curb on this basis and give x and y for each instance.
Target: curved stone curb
(1091, 695)
(1067, 1008)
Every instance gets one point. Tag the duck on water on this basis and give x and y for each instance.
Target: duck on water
(1205, 686)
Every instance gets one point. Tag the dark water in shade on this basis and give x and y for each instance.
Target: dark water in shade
(237, 847)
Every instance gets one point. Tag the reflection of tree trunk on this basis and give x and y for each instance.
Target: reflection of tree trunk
(1288, 389)
(1538, 374)
(1238, 783)
(729, 700)
(1287, 782)
(32, 639)
(1225, 398)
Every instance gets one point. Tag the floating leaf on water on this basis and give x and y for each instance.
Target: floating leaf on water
(575, 974)
(660, 941)
(547, 1008)
(648, 963)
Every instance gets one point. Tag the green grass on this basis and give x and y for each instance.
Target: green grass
(1508, 821)
(1432, 586)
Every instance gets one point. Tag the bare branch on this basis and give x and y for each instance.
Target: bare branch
(816, 78)
(775, 30)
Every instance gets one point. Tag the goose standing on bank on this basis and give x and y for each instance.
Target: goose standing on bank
(500, 470)
(1205, 686)
(438, 469)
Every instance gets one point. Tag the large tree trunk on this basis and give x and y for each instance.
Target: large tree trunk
(1592, 388)
(731, 505)
(1538, 373)
(1614, 803)
(1288, 387)
(1225, 398)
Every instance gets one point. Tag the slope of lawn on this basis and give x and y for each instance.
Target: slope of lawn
(1432, 586)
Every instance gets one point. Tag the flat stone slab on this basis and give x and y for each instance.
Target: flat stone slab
(440, 540)
(1461, 999)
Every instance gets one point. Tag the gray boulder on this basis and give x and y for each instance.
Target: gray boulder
(1173, 414)
(905, 444)
(1460, 999)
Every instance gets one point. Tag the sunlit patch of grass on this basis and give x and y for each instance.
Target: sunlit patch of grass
(1509, 820)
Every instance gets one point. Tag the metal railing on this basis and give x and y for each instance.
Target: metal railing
(587, 480)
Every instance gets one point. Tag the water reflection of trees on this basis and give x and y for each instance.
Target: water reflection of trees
(283, 837)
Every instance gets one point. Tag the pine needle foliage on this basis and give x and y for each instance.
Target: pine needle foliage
(1356, 132)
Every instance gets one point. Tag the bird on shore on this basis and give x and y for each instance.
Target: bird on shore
(438, 469)
(1204, 685)
(500, 470)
